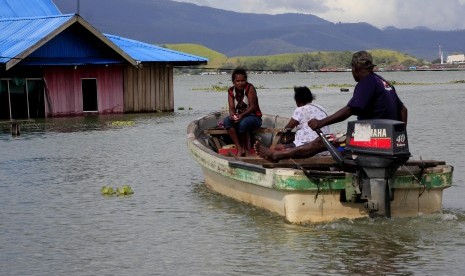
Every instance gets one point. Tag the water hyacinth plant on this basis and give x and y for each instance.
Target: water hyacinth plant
(120, 191)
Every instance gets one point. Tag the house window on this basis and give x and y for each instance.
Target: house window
(22, 98)
(18, 98)
(89, 95)
(35, 98)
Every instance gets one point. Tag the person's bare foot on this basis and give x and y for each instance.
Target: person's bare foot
(264, 152)
(279, 147)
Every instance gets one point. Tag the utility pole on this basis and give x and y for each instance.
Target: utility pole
(441, 55)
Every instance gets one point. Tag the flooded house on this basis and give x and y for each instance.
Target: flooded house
(54, 64)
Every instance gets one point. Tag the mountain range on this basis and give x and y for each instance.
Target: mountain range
(254, 34)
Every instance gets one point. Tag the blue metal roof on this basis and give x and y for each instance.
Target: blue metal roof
(145, 52)
(27, 8)
(17, 35)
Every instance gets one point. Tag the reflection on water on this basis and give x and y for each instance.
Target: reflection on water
(54, 221)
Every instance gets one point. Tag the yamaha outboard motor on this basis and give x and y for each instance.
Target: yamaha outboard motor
(378, 147)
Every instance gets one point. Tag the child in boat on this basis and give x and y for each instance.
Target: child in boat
(305, 111)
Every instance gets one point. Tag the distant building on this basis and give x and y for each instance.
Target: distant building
(454, 59)
(53, 64)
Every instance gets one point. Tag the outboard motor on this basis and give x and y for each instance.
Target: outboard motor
(378, 147)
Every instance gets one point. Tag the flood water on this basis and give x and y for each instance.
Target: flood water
(54, 220)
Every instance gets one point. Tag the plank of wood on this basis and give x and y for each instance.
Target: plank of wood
(259, 130)
(216, 142)
(275, 140)
(426, 163)
(316, 161)
(303, 163)
(215, 131)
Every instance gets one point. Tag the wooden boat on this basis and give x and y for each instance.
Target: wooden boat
(315, 189)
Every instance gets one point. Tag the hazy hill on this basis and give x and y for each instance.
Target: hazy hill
(245, 34)
(313, 61)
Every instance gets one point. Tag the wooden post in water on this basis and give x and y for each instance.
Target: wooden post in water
(15, 129)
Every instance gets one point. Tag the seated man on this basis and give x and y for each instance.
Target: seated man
(373, 98)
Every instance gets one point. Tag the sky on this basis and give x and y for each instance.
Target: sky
(444, 15)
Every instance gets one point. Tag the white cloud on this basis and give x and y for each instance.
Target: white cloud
(434, 14)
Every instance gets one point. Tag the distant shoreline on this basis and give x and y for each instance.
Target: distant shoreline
(395, 70)
(224, 71)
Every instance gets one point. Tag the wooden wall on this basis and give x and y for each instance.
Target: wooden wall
(65, 89)
(120, 89)
(148, 89)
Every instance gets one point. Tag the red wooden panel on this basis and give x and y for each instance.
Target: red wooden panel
(64, 84)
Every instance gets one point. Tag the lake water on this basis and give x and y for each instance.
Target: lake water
(54, 221)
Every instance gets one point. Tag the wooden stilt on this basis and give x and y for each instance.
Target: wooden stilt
(15, 129)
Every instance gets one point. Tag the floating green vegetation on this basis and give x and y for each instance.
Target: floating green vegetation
(425, 83)
(124, 190)
(120, 191)
(314, 87)
(309, 86)
(181, 108)
(393, 82)
(121, 123)
(105, 190)
(340, 85)
(220, 88)
(214, 88)
(223, 88)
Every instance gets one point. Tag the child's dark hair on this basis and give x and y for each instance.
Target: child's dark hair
(238, 71)
(303, 95)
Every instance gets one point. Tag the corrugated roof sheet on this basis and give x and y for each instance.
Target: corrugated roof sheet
(17, 35)
(27, 8)
(145, 52)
